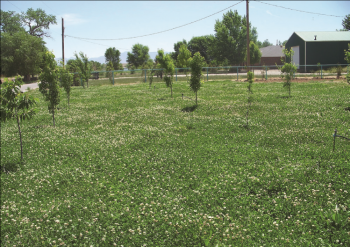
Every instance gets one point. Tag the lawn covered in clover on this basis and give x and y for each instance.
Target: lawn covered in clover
(131, 166)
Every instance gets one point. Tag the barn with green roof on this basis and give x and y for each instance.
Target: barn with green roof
(311, 48)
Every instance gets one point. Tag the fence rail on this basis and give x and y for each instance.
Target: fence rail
(317, 71)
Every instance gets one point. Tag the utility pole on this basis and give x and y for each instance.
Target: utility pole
(248, 54)
(63, 42)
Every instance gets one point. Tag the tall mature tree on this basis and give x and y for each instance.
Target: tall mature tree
(84, 66)
(21, 41)
(37, 21)
(138, 56)
(10, 22)
(48, 85)
(202, 45)
(265, 43)
(230, 38)
(177, 49)
(95, 66)
(15, 104)
(113, 55)
(346, 22)
(21, 54)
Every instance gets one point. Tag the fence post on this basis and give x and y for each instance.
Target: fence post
(145, 76)
(265, 73)
(176, 73)
(81, 83)
(237, 73)
(113, 76)
(207, 73)
(321, 71)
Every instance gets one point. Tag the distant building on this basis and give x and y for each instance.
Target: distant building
(311, 48)
(271, 55)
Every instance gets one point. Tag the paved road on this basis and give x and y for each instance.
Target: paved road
(31, 86)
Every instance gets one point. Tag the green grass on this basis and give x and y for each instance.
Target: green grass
(131, 166)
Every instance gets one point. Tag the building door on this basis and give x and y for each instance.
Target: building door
(295, 58)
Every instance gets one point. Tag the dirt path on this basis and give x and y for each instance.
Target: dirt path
(25, 87)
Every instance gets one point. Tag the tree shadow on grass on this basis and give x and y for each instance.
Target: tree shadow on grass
(8, 167)
(189, 108)
(284, 97)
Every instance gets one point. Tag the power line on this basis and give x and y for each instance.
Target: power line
(14, 5)
(299, 10)
(160, 31)
(49, 8)
(96, 43)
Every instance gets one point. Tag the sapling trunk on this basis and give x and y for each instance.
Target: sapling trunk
(53, 117)
(248, 113)
(171, 88)
(20, 136)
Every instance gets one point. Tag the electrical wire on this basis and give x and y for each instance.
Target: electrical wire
(160, 31)
(14, 5)
(50, 8)
(303, 11)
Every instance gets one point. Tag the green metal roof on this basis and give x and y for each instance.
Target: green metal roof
(324, 36)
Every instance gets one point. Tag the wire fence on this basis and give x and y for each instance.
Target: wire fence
(235, 73)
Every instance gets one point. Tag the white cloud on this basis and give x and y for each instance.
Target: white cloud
(72, 19)
(268, 12)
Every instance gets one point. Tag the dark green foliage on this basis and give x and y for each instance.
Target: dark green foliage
(113, 55)
(138, 56)
(21, 54)
(15, 104)
(230, 38)
(96, 66)
(48, 85)
(196, 64)
(254, 52)
(346, 22)
(36, 21)
(109, 70)
(10, 22)
(177, 49)
(202, 45)
(263, 44)
(33, 22)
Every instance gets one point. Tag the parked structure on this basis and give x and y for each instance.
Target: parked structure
(318, 47)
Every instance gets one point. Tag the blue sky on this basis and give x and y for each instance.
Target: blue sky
(122, 19)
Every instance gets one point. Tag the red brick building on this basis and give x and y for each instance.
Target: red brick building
(271, 55)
